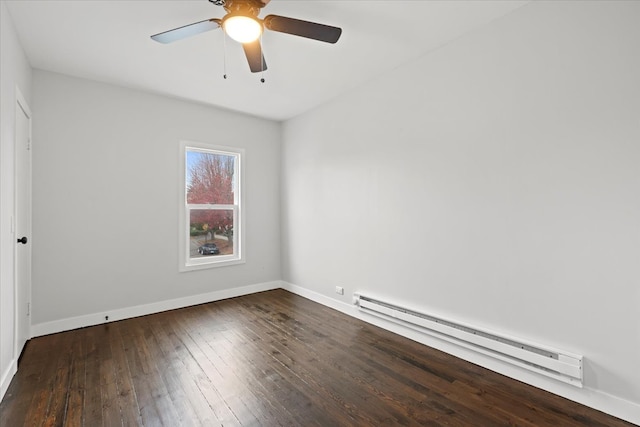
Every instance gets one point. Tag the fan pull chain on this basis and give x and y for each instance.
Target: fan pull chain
(224, 55)
(261, 60)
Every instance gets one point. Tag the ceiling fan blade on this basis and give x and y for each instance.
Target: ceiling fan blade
(298, 27)
(253, 51)
(187, 31)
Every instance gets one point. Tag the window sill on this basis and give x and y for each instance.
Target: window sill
(209, 263)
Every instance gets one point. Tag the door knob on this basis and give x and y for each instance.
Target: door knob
(23, 240)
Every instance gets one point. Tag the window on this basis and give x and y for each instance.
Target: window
(211, 215)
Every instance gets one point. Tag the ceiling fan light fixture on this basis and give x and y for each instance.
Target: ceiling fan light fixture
(242, 29)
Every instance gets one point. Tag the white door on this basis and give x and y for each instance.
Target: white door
(23, 224)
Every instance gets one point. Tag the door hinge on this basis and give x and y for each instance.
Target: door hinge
(28, 309)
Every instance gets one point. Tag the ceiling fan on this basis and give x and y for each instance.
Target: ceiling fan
(242, 24)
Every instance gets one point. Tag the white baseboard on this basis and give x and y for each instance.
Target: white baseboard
(7, 376)
(70, 323)
(601, 401)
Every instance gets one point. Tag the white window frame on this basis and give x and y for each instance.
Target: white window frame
(186, 263)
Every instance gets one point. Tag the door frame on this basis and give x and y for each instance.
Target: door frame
(21, 103)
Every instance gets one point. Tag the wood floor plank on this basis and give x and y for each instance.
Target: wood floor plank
(338, 364)
(20, 395)
(57, 384)
(198, 367)
(338, 390)
(334, 354)
(176, 358)
(156, 406)
(75, 395)
(223, 373)
(126, 394)
(92, 411)
(266, 384)
(169, 368)
(109, 391)
(266, 359)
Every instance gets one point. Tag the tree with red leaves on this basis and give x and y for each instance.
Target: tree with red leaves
(211, 181)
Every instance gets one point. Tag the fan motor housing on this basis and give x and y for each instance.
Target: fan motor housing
(241, 7)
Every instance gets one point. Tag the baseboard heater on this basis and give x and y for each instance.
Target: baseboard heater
(552, 363)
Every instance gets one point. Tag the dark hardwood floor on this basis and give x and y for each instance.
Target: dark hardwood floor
(267, 359)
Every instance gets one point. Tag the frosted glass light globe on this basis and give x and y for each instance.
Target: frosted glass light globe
(242, 28)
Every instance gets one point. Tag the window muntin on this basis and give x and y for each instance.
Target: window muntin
(211, 217)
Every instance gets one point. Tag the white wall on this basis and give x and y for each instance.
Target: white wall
(15, 71)
(105, 189)
(495, 181)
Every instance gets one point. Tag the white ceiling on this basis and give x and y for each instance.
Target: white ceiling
(108, 41)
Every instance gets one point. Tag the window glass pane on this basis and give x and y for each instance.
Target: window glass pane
(210, 178)
(211, 232)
